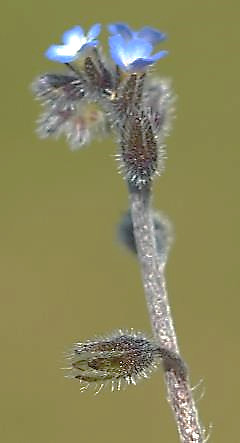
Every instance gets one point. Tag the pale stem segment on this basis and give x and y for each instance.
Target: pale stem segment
(179, 389)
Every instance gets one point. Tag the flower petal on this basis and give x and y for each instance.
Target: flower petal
(74, 37)
(151, 35)
(94, 31)
(117, 45)
(137, 48)
(140, 64)
(122, 29)
(159, 55)
(60, 53)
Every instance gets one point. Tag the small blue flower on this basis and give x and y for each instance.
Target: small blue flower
(74, 41)
(147, 33)
(133, 53)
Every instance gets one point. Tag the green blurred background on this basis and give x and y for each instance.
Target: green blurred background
(63, 275)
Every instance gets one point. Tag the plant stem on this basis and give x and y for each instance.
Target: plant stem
(179, 390)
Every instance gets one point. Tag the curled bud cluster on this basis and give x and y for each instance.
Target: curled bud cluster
(121, 358)
(96, 96)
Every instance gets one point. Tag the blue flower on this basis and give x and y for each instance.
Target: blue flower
(133, 54)
(147, 33)
(74, 41)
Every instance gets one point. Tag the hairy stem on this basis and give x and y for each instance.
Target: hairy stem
(178, 386)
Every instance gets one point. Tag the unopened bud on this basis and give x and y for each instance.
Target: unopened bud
(121, 358)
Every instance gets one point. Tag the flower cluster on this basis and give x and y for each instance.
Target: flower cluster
(130, 50)
(96, 96)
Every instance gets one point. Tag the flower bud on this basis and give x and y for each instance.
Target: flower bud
(121, 358)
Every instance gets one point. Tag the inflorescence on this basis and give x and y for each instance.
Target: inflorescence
(96, 96)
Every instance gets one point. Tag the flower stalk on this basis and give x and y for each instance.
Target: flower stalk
(152, 269)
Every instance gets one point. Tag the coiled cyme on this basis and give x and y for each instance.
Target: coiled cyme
(97, 95)
(119, 359)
